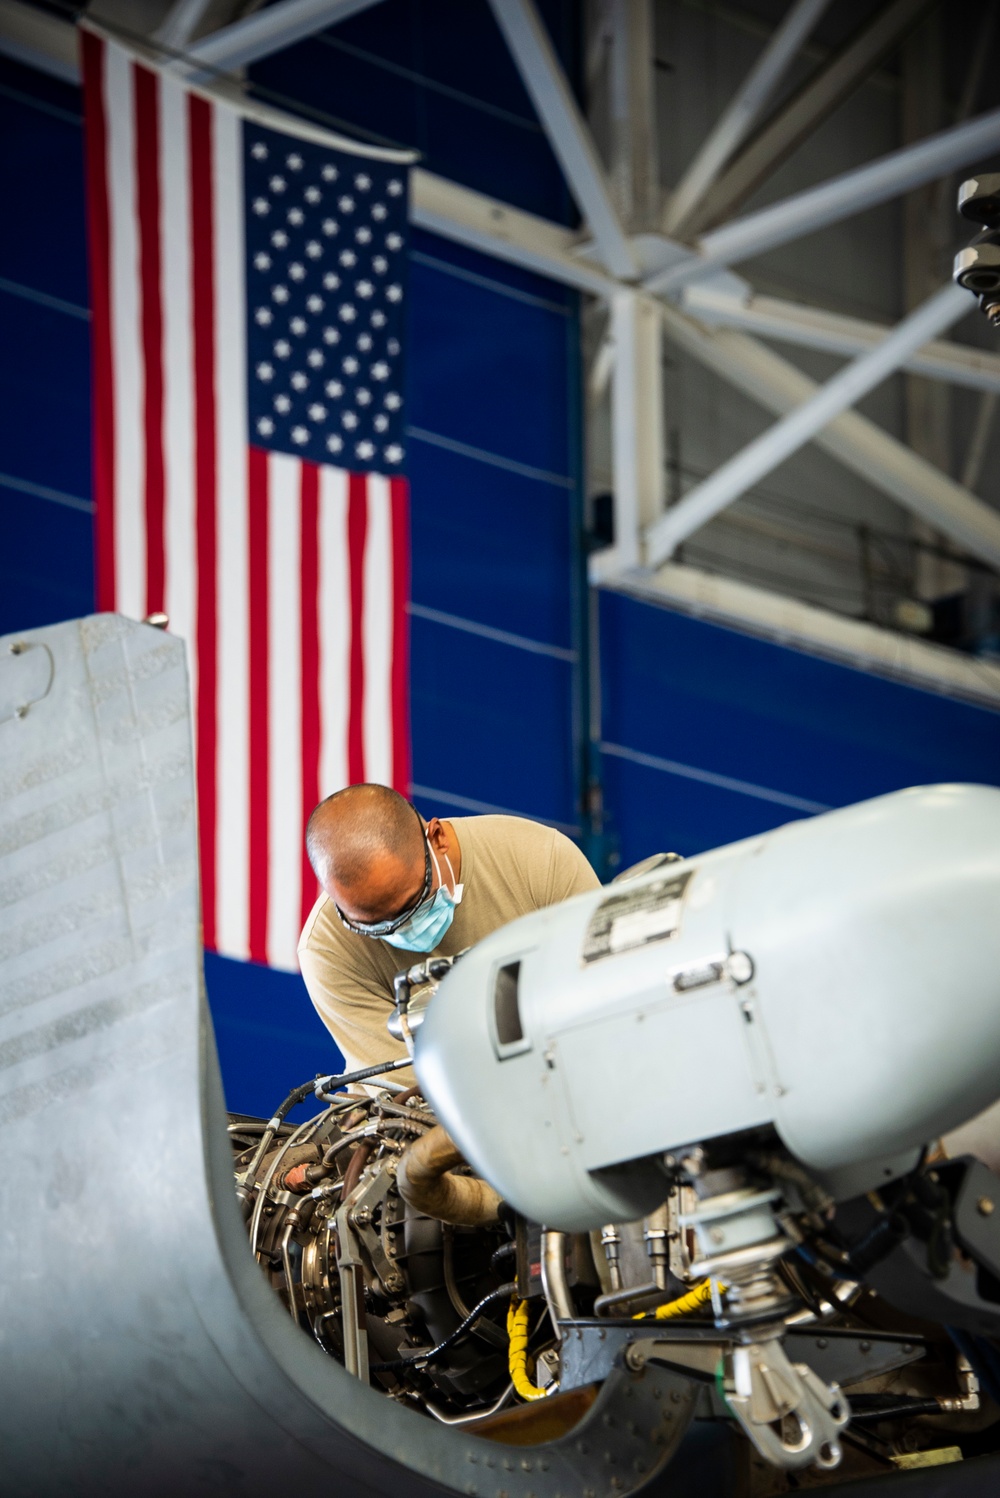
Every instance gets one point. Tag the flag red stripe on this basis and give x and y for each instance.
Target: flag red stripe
(259, 691)
(206, 584)
(147, 176)
(357, 530)
(400, 511)
(311, 726)
(100, 302)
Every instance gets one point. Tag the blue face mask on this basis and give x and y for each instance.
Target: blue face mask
(427, 926)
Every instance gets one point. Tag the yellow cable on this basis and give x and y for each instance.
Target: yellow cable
(684, 1303)
(517, 1330)
(517, 1355)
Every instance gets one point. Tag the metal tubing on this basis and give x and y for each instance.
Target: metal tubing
(286, 1265)
(352, 1301)
(841, 197)
(565, 127)
(854, 440)
(779, 442)
(555, 1283)
(624, 1302)
(611, 1242)
(656, 1234)
(739, 115)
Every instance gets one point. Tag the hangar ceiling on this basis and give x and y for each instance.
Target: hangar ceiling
(763, 190)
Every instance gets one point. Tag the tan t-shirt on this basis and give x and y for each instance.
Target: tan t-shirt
(510, 866)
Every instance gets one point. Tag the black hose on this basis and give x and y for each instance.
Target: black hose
(433, 1353)
(505, 1251)
(298, 1095)
(318, 1083)
(887, 1233)
(901, 1409)
(323, 1085)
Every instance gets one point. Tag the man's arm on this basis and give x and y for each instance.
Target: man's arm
(569, 872)
(354, 1014)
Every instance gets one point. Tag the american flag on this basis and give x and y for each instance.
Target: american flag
(248, 297)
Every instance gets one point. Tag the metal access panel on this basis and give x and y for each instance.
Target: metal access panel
(141, 1350)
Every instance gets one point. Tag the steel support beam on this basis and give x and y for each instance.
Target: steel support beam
(39, 40)
(739, 115)
(853, 642)
(633, 156)
(928, 222)
(834, 333)
(841, 197)
(779, 442)
(975, 455)
(806, 110)
(566, 129)
(601, 369)
(180, 23)
(852, 439)
(484, 224)
(638, 467)
(266, 31)
(524, 239)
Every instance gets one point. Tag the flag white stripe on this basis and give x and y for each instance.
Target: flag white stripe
(334, 629)
(232, 764)
(377, 633)
(284, 708)
(126, 332)
(178, 406)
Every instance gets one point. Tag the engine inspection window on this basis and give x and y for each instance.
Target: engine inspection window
(636, 917)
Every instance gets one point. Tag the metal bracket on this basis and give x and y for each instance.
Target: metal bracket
(838, 1355)
(791, 1416)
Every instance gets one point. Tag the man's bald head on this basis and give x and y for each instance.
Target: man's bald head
(363, 838)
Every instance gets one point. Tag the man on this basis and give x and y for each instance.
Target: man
(396, 888)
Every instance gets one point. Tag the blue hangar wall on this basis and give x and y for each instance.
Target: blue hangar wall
(708, 734)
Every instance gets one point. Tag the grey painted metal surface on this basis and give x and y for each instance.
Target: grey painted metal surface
(706, 988)
(141, 1350)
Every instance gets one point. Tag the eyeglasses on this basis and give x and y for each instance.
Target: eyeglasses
(386, 928)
